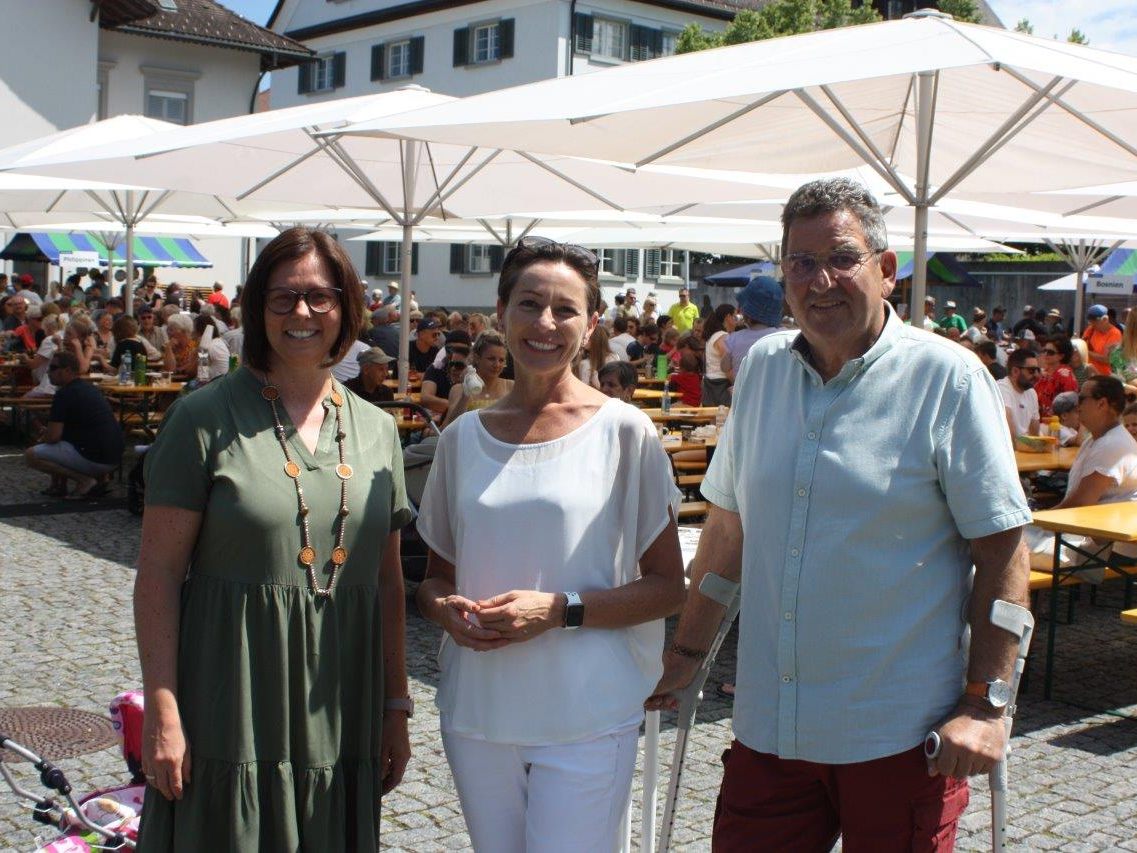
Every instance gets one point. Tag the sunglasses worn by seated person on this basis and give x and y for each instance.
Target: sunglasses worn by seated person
(456, 365)
(320, 300)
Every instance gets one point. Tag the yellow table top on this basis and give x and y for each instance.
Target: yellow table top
(122, 390)
(1063, 460)
(1116, 521)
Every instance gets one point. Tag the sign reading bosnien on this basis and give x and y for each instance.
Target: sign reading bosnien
(1119, 285)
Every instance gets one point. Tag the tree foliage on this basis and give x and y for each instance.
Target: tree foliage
(962, 10)
(779, 18)
(1077, 37)
(1025, 26)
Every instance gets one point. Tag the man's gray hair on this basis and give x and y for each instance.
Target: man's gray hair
(830, 195)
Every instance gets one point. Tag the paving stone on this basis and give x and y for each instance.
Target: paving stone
(67, 639)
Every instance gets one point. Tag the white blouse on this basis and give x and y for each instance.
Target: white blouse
(572, 514)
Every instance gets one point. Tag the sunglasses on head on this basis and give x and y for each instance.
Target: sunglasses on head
(541, 245)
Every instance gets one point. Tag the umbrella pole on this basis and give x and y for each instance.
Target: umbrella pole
(925, 82)
(128, 289)
(406, 255)
(1079, 296)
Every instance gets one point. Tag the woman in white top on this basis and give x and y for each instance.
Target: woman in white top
(716, 384)
(553, 560)
(488, 358)
(595, 354)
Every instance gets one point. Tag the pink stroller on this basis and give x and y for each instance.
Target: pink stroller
(104, 820)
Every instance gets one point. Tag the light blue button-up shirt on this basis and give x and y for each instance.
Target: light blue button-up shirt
(858, 498)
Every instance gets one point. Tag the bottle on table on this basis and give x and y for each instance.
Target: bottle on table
(234, 362)
(1117, 361)
(140, 370)
(126, 369)
(665, 401)
(202, 366)
(720, 418)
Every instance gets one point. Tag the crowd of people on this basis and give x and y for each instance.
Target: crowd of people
(269, 601)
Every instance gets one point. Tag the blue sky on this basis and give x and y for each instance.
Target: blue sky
(1109, 24)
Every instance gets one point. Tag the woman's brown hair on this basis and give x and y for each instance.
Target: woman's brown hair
(291, 245)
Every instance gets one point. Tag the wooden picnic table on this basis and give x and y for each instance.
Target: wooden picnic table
(1111, 522)
(1060, 460)
(140, 400)
(683, 414)
(647, 394)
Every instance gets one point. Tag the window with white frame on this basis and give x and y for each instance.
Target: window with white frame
(399, 59)
(477, 259)
(392, 258)
(612, 262)
(168, 93)
(486, 43)
(323, 74)
(670, 263)
(609, 38)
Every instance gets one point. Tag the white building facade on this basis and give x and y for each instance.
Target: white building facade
(458, 47)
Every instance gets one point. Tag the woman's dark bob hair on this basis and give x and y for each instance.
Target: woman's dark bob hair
(534, 250)
(291, 245)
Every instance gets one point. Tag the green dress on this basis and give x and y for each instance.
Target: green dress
(280, 691)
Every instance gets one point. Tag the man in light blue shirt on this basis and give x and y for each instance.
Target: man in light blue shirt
(864, 469)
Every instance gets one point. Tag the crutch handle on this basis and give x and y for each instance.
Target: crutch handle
(933, 743)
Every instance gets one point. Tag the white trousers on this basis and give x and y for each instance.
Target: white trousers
(565, 798)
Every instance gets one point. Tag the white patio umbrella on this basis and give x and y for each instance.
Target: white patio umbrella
(297, 156)
(962, 108)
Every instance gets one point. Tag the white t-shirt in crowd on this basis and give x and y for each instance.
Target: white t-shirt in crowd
(619, 345)
(572, 514)
(1114, 455)
(713, 359)
(47, 349)
(348, 366)
(1023, 405)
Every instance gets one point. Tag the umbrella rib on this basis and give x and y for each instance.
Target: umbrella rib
(866, 140)
(95, 197)
(950, 218)
(842, 133)
(493, 232)
(1076, 113)
(283, 169)
(433, 171)
(58, 199)
(570, 181)
(158, 201)
(1015, 124)
(900, 124)
(1092, 205)
(342, 159)
(525, 233)
(715, 125)
(441, 193)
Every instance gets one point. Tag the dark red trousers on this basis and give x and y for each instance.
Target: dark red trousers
(888, 804)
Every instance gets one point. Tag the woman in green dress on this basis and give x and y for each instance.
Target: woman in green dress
(269, 599)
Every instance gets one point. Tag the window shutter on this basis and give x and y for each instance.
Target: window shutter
(373, 265)
(505, 38)
(339, 69)
(632, 263)
(497, 258)
(640, 42)
(414, 258)
(378, 62)
(656, 43)
(582, 24)
(651, 263)
(304, 78)
(418, 49)
(457, 257)
(461, 46)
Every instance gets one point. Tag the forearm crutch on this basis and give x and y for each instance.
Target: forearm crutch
(728, 594)
(1018, 621)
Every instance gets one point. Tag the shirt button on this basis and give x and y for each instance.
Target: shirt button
(786, 679)
(812, 436)
(801, 493)
(788, 616)
(794, 552)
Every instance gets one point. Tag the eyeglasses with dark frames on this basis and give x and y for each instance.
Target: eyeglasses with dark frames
(1050, 352)
(1026, 369)
(320, 300)
(841, 263)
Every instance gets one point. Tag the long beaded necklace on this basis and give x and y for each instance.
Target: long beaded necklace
(306, 556)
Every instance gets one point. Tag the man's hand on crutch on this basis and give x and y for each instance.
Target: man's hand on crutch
(720, 551)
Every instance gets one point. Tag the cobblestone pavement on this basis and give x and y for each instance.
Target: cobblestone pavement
(66, 638)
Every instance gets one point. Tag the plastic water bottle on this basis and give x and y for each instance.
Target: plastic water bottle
(126, 369)
(665, 402)
(720, 418)
(234, 363)
(202, 366)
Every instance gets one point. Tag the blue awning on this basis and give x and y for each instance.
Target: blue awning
(740, 276)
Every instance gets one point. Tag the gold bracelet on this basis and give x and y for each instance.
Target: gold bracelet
(687, 652)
